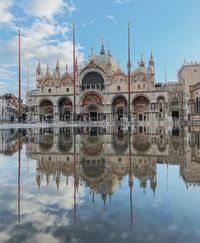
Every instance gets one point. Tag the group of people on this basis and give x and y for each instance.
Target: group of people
(21, 118)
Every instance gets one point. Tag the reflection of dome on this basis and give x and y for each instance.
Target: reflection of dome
(141, 143)
(46, 141)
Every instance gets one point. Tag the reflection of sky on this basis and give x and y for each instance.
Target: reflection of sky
(47, 215)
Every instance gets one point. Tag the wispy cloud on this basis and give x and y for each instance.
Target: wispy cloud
(88, 23)
(49, 9)
(6, 16)
(121, 1)
(110, 17)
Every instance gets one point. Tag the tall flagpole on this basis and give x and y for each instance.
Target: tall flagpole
(129, 71)
(74, 70)
(165, 71)
(19, 72)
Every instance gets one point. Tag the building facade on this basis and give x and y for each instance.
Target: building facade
(8, 110)
(102, 93)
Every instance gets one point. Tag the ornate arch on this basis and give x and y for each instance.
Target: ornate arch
(139, 73)
(49, 81)
(118, 96)
(46, 107)
(93, 98)
(64, 98)
(140, 95)
(118, 74)
(90, 70)
(66, 80)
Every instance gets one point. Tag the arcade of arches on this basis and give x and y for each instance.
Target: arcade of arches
(92, 108)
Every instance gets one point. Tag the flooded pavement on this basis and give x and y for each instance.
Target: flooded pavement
(100, 185)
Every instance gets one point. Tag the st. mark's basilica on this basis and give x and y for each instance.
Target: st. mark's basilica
(102, 93)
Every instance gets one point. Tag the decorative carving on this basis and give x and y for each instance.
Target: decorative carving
(92, 64)
(119, 100)
(92, 99)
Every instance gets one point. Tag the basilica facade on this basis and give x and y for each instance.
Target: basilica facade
(102, 93)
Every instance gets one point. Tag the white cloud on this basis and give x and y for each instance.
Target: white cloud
(42, 41)
(6, 16)
(121, 1)
(88, 23)
(71, 7)
(48, 9)
(110, 17)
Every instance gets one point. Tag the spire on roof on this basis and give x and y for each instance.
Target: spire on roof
(47, 70)
(102, 52)
(142, 64)
(151, 60)
(57, 65)
(39, 67)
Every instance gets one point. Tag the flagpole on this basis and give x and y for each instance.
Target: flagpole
(129, 72)
(19, 80)
(74, 70)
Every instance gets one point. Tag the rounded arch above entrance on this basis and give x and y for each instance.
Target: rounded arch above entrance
(92, 99)
(119, 107)
(93, 78)
(46, 110)
(92, 107)
(141, 99)
(65, 109)
(119, 100)
(65, 101)
(44, 103)
(141, 108)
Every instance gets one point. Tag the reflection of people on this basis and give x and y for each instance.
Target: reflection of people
(24, 116)
(12, 118)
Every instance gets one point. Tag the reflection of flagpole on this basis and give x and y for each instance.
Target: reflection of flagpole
(19, 175)
(130, 179)
(74, 178)
(27, 170)
(167, 176)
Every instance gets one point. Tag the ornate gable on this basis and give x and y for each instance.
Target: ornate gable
(93, 65)
(118, 77)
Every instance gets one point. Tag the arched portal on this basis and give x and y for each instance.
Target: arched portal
(119, 108)
(141, 108)
(65, 109)
(92, 107)
(46, 111)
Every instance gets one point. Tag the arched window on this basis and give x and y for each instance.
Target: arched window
(93, 80)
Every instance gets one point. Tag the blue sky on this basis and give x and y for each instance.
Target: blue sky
(170, 28)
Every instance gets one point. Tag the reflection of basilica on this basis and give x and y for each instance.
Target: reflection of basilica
(100, 158)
